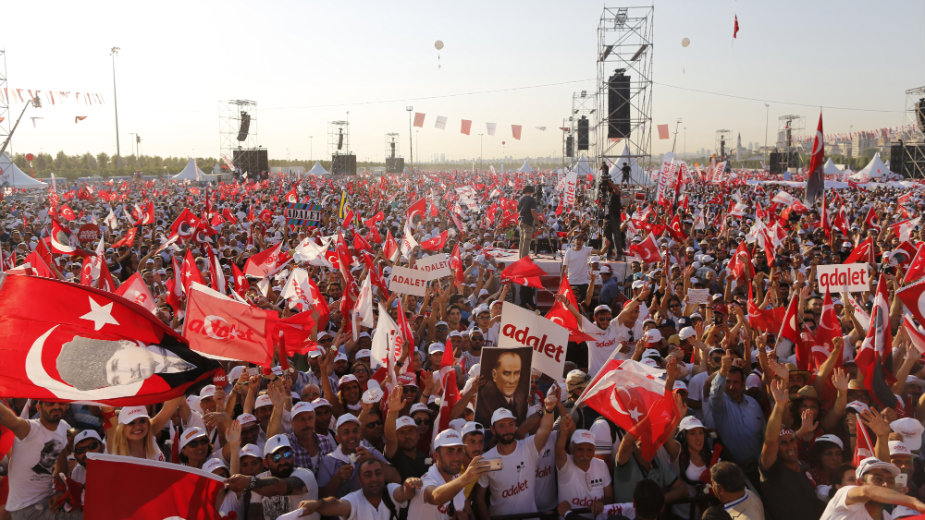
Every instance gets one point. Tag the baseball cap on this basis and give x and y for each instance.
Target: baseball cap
(129, 413)
(500, 415)
(344, 419)
(320, 403)
(446, 438)
(831, 439)
(441, 324)
(679, 385)
(207, 391)
(302, 406)
(686, 333)
(638, 284)
(871, 463)
(405, 421)
(191, 435)
(480, 309)
(752, 381)
(340, 357)
(418, 407)
(407, 379)
(362, 353)
(605, 269)
(263, 400)
(689, 422)
(651, 352)
(896, 448)
(251, 450)
(86, 434)
(246, 418)
(601, 308)
(472, 427)
(582, 436)
(653, 335)
(348, 378)
(436, 347)
(911, 430)
(213, 464)
(276, 442)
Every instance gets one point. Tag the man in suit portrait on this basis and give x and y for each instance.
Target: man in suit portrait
(504, 388)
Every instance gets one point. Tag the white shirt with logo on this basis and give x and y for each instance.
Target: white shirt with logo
(361, 509)
(512, 487)
(276, 506)
(576, 265)
(581, 488)
(614, 336)
(32, 464)
(545, 491)
(421, 510)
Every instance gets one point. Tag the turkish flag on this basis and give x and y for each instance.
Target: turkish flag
(127, 240)
(61, 239)
(767, 320)
(560, 314)
(790, 331)
(267, 262)
(297, 333)
(814, 183)
(66, 342)
(903, 230)
(390, 249)
(864, 447)
(185, 224)
(104, 281)
(229, 217)
(872, 220)
(916, 334)
(175, 287)
(436, 243)
(216, 275)
(219, 326)
(146, 216)
(633, 396)
(523, 272)
(647, 250)
(168, 490)
(917, 267)
(375, 276)
(360, 244)
(741, 261)
(189, 272)
(134, 289)
(874, 359)
(863, 252)
(829, 328)
(418, 208)
(66, 213)
(675, 230)
(292, 196)
(459, 274)
(841, 220)
(241, 284)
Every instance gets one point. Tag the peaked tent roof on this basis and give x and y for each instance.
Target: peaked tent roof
(11, 176)
(875, 169)
(317, 169)
(582, 167)
(830, 169)
(192, 173)
(526, 168)
(637, 174)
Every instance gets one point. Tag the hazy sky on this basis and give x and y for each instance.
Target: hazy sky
(307, 63)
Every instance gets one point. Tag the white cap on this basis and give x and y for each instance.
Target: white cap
(582, 436)
(320, 402)
(436, 347)
(418, 407)
(362, 353)
(686, 332)
(302, 406)
(405, 421)
(447, 437)
(679, 385)
(191, 435)
(689, 422)
(129, 413)
(472, 427)
(86, 434)
(263, 400)
(235, 373)
(276, 442)
(207, 391)
(213, 464)
(651, 352)
(653, 336)
(340, 357)
(500, 415)
(246, 418)
(347, 378)
(874, 463)
(605, 269)
(831, 438)
(911, 430)
(457, 423)
(480, 309)
(251, 450)
(638, 284)
(344, 419)
(602, 307)
(896, 448)
(752, 382)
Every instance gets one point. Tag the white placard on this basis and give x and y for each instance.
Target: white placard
(698, 296)
(521, 327)
(436, 266)
(408, 281)
(843, 277)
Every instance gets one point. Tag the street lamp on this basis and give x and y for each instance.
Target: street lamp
(311, 147)
(480, 151)
(409, 108)
(115, 102)
(767, 111)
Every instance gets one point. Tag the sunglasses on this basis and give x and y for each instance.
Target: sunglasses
(198, 442)
(93, 446)
(280, 455)
(420, 421)
(374, 424)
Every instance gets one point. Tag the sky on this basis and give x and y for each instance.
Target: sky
(307, 63)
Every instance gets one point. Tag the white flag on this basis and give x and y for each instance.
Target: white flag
(364, 306)
(309, 251)
(408, 243)
(297, 290)
(383, 339)
(440, 123)
(490, 127)
(111, 221)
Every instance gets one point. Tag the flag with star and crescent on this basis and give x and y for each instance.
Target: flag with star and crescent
(67, 342)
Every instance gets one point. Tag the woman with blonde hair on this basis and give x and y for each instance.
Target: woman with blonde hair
(133, 434)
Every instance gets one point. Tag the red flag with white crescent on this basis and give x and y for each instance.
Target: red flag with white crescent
(219, 326)
(134, 289)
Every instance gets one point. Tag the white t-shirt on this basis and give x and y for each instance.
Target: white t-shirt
(614, 336)
(273, 507)
(576, 265)
(421, 510)
(32, 463)
(545, 492)
(838, 509)
(361, 509)
(512, 486)
(581, 488)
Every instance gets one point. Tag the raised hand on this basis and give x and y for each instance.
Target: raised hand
(780, 392)
(840, 380)
(233, 433)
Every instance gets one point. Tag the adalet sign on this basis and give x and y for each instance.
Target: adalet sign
(843, 277)
(434, 266)
(521, 327)
(408, 281)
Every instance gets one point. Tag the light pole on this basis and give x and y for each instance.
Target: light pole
(480, 151)
(311, 147)
(115, 102)
(409, 108)
(767, 112)
(134, 148)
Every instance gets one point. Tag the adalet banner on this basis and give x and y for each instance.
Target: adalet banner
(408, 281)
(435, 266)
(841, 278)
(549, 341)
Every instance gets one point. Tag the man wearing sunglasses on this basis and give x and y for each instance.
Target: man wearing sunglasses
(84, 442)
(281, 488)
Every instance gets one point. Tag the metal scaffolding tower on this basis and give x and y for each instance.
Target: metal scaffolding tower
(5, 119)
(585, 105)
(625, 39)
(230, 130)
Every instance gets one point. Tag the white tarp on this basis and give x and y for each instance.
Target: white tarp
(582, 167)
(12, 177)
(875, 169)
(830, 169)
(839, 185)
(317, 169)
(192, 173)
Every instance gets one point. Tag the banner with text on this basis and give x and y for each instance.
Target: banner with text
(548, 340)
(408, 281)
(843, 277)
(436, 266)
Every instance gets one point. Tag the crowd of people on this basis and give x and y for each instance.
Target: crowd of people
(760, 430)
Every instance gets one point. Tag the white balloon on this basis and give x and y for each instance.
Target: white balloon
(438, 44)
(685, 42)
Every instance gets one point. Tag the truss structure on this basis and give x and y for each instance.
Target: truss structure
(584, 105)
(5, 119)
(339, 138)
(229, 125)
(625, 37)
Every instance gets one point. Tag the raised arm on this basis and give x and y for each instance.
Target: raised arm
(9, 419)
(772, 431)
(549, 414)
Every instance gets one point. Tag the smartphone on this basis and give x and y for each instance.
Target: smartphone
(495, 464)
(277, 371)
(901, 480)
(252, 371)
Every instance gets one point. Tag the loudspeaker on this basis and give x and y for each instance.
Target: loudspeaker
(920, 114)
(582, 133)
(394, 165)
(340, 139)
(896, 158)
(570, 146)
(245, 126)
(251, 161)
(618, 105)
(775, 166)
(344, 164)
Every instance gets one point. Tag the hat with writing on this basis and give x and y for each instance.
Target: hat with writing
(911, 430)
(263, 400)
(472, 427)
(276, 442)
(251, 450)
(500, 415)
(582, 436)
(897, 448)
(129, 413)
(344, 419)
(214, 464)
(86, 434)
(448, 437)
(302, 406)
(872, 463)
(833, 439)
(190, 435)
(404, 422)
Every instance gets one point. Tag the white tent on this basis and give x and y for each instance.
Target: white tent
(12, 177)
(637, 174)
(526, 168)
(830, 169)
(317, 169)
(192, 173)
(875, 169)
(582, 167)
